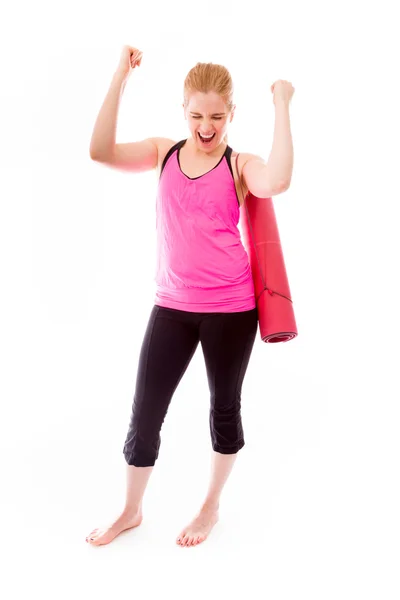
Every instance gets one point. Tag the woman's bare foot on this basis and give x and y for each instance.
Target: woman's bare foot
(198, 530)
(105, 535)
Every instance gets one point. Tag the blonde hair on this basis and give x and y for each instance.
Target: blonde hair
(209, 77)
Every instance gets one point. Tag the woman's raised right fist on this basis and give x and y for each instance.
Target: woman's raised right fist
(130, 58)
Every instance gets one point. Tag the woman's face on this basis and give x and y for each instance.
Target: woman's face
(207, 115)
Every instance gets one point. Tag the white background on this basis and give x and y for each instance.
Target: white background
(311, 507)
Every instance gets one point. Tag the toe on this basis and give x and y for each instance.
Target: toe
(92, 533)
(180, 537)
(93, 539)
(97, 540)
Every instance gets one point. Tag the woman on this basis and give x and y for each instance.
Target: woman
(204, 283)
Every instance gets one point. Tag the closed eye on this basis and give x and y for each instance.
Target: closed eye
(218, 118)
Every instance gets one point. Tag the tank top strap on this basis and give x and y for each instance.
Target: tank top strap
(170, 152)
(228, 154)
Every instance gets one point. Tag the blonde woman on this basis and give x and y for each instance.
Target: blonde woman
(204, 286)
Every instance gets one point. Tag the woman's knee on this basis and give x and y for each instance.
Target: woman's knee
(226, 429)
(140, 451)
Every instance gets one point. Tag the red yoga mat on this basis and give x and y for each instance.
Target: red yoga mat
(263, 246)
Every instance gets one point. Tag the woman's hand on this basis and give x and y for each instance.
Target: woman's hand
(130, 58)
(282, 91)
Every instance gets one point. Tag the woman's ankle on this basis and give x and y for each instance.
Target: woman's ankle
(132, 510)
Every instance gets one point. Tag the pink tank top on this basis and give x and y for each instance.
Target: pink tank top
(202, 265)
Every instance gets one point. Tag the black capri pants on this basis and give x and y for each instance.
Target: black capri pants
(169, 343)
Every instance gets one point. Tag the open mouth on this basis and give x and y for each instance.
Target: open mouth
(206, 140)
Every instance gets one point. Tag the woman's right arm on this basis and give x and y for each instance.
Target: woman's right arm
(134, 156)
(103, 138)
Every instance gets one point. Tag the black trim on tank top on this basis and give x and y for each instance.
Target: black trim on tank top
(228, 160)
(171, 151)
(206, 173)
(178, 146)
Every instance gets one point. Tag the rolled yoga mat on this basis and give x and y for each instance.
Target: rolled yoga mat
(271, 285)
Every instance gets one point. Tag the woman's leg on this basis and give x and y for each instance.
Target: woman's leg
(169, 344)
(227, 341)
(131, 516)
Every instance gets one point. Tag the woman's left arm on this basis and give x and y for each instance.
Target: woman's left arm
(280, 161)
(269, 178)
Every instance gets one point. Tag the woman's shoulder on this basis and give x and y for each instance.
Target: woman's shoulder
(167, 142)
(246, 156)
(240, 163)
(164, 145)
